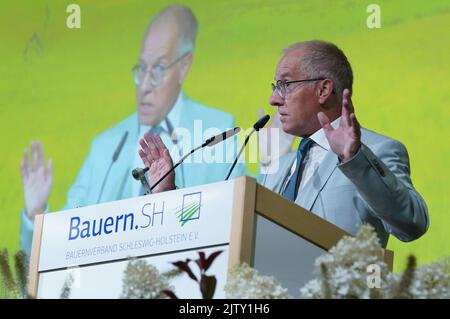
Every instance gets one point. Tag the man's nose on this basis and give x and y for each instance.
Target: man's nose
(275, 99)
(146, 86)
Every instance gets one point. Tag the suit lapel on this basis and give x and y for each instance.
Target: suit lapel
(308, 195)
(275, 181)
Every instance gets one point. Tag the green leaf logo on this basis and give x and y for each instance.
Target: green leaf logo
(190, 209)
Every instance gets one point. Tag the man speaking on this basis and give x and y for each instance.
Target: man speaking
(341, 172)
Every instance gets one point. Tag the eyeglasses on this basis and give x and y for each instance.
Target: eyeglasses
(283, 86)
(156, 73)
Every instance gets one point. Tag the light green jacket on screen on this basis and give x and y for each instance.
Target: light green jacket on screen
(119, 184)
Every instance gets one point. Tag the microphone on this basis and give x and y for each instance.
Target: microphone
(113, 160)
(139, 173)
(261, 123)
(221, 137)
(256, 127)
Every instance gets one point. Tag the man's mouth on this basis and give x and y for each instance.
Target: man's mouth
(283, 116)
(145, 108)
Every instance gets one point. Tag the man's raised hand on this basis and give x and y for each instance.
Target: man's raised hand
(344, 140)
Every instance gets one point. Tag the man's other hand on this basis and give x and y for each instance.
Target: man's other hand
(36, 179)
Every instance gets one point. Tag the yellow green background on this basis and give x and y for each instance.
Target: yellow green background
(78, 83)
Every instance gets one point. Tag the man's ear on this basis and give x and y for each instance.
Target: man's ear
(324, 90)
(185, 66)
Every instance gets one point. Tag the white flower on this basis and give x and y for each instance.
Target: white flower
(312, 290)
(343, 273)
(432, 281)
(346, 267)
(244, 282)
(143, 281)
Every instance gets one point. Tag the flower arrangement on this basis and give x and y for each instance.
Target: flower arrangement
(342, 272)
(430, 281)
(354, 268)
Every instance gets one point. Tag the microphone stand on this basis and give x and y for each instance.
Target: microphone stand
(113, 160)
(256, 127)
(139, 174)
(239, 154)
(176, 165)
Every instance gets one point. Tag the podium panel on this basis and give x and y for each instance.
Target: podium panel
(95, 243)
(246, 221)
(284, 255)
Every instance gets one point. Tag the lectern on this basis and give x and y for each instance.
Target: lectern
(243, 219)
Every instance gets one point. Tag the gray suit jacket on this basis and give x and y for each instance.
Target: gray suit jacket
(373, 187)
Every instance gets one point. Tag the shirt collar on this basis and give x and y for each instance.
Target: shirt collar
(320, 138)
(174, 116)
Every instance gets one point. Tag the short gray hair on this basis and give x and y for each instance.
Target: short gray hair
(324, 59)
(187, 26)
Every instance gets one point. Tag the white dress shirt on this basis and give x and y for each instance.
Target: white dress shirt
(314, 157)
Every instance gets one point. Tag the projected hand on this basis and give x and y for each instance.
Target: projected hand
(155, 155)
(36, 179)
(345, 140)
(268, 151)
